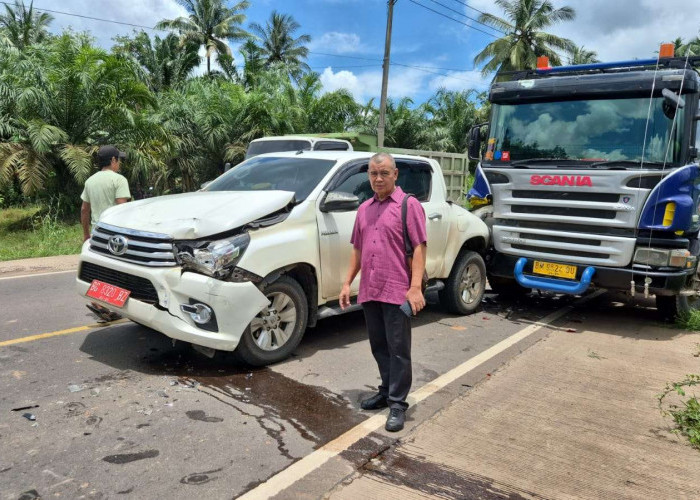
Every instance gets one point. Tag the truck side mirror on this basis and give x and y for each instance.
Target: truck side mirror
(474, 149)
(340, 202)
(672, 102)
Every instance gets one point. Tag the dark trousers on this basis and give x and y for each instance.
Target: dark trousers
(390, 338)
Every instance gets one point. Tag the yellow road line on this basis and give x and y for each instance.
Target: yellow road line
(67, 331)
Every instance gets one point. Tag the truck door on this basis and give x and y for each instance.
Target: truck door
(335, 230)
(415, 177)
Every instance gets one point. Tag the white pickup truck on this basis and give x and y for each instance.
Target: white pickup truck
(260, 255)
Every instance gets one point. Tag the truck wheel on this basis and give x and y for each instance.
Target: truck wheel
(277, 330)
(465, 287)
(672, 307)
(508, 287)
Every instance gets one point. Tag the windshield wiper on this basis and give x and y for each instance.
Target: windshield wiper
(622, 163)
(530, 161)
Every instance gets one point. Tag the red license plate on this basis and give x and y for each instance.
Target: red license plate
(108, 293)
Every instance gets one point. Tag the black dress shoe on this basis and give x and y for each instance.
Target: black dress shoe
(394, 423)
(376, 402)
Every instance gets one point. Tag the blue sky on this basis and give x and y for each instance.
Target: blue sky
(434, 51)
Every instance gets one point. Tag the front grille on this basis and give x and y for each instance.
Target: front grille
(559, 251)
(559, 239)
(146, 249)
(565, 195)
(564, 211)
(141, 288)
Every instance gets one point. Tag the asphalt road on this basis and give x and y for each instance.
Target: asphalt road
(122, 412)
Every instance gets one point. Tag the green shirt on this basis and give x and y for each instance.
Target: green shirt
(102, 190)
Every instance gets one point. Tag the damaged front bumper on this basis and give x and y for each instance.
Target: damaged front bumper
(159, 293)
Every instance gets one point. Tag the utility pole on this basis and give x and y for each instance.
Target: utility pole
(385, 75)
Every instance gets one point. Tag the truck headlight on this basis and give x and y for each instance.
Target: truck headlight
(216, 258)
(659, 257)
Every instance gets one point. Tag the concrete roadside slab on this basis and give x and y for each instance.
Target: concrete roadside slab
(56, 263)
(574, 416)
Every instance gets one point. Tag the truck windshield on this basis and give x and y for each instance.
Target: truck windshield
(300, 175)
(587, 131)
(261, 147)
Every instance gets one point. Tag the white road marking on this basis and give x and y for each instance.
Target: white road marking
(285, 478)
(37, 274)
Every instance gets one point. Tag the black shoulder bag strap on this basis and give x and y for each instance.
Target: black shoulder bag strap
(408, 247)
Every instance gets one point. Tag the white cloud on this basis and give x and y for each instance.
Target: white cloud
(460, 80)
(138, 12)
(621, 29)
(337, 43)
(366, 85)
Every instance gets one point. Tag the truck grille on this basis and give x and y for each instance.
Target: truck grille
(587, 225)
(140, 288)
(137, 247)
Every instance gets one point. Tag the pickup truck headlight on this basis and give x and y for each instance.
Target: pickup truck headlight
(216, 258)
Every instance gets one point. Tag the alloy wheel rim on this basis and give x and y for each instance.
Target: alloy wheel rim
(273, 326)
(471, 284)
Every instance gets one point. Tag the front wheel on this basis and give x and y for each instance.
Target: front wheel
(673, 307)
(277, 330)
(466, 284)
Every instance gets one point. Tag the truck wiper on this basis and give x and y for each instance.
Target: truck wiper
(622, 163)
(530, 161)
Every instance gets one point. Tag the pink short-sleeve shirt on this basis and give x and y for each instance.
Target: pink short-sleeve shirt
(378, 235)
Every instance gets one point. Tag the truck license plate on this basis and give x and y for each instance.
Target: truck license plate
(105, 292)
(557, 270)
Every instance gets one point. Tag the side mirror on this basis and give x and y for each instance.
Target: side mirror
(227, 167)
(672, 102)
(474, 149)
(340, 202)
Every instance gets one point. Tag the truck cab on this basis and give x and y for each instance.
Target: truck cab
(589, 177)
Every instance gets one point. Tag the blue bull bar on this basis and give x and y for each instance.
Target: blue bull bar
(553, 284)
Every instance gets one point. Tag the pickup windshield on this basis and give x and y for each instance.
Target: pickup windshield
(586, 131)
(261, 147)
(300, 175)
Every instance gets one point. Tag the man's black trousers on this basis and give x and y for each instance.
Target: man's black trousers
(390, 338)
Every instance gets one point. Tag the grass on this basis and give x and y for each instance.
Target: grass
(685, 414)
(691, 321)
(36, 231)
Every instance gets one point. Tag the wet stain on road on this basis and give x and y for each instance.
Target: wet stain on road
(367, 448)
(126, 458)
(198, 478)
(202, 416)
(440, 481)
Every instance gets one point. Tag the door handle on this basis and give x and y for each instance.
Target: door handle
(435, 216)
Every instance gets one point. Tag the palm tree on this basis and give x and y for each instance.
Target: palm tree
(254, 63)
(24, 26)
(279, 44)
(210, 23)
(691, 48)
(582, 56)
(524, 40)
(165, 61)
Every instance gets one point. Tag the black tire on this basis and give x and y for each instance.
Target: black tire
(259, 343)
(466, 284)
(508, 287)
(673, 307)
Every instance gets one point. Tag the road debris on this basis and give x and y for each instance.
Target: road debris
(95, 391)
(29, 416)
(76, 388)
(162, 394)
(22, 408)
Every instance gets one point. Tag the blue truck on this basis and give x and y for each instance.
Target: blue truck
(588, 176)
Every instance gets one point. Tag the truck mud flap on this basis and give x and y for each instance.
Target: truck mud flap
(553, 284)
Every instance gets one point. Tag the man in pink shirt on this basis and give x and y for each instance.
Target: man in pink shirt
(387, 282)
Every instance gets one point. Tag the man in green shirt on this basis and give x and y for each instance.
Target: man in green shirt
(102, 190)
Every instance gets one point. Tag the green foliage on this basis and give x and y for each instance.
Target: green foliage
(24, 26)
(685, 414)
(279, 47)
(524, 40)
(690, 321)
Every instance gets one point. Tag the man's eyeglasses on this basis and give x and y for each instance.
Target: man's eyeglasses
(380, 173)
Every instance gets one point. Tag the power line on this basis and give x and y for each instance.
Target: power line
(420, 68)
(347, 57)
(470, 18)
(469, 6)
(90, 17)
(453, 19)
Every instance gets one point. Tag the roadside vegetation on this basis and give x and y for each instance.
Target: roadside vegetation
(62, 96)
(684, 412)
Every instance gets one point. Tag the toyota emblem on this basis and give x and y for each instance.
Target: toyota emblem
(118, 245)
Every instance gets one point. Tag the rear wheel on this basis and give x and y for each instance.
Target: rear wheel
(277, 330)
(465, 287)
